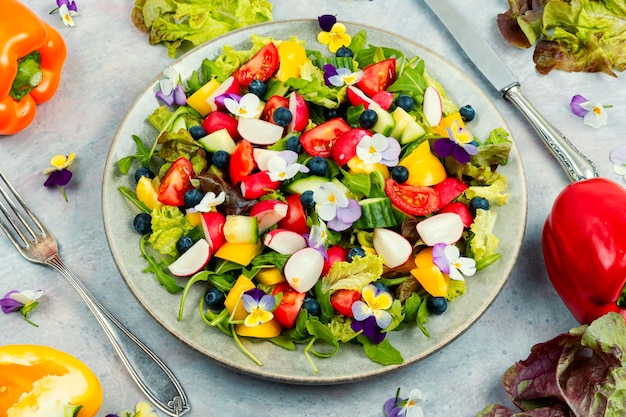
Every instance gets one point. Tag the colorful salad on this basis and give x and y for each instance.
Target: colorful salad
(319, 198)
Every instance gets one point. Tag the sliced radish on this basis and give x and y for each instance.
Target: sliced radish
(300, 112)
(213, 227)
(262, 156)
(393, 247)
(441, 228)
(269, 213)
(192, 260)
(284, 241)
(356, 96)
(229, 85)
(259, 132)
(432, 106)
(303, 269)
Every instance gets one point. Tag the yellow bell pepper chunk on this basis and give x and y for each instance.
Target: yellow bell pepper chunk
(442, 128)
(357, 166)
(269, 276)
(292, 56)
(42, 381)
(425, 169)
(198, 100)
(429, 275)
(233, 300)
(195, 218)
(266, 330)
(239, 253)
(147, 193)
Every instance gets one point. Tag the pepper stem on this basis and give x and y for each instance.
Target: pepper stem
(28, 76)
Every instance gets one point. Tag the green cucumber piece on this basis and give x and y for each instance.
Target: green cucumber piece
(385, 123)
(241, 229)
(275, 87)
(336, 61)
(376, 212)
(311, 182)
(406, 128)
(219, 140)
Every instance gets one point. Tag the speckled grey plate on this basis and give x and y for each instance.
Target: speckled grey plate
(350, 364)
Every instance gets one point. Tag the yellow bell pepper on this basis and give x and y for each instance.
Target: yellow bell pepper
(292, 56)
(425, 169)
(233, 300)
(269, 276)
(40, 381)
(266, 330)
(147, 193)
(239, 253)
(198, 100)
(357, 166)
(429, 275)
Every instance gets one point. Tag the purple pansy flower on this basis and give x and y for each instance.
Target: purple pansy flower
(23, 301)
(170, 91)
(460, 144)
(369, 329)
(593, 113)
(326, 22)
(58, 173)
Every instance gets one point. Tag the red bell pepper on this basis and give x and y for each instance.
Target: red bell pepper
(584, 247)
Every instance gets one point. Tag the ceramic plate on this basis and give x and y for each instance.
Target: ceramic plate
(350, 364)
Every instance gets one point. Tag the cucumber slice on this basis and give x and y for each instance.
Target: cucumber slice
(241, 229)
(385, 123)
(406, 128)
(220, 140)
(312, 182)
(376, 212)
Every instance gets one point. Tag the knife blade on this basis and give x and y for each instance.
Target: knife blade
(576, 165)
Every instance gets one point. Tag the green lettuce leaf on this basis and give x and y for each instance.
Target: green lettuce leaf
(353, 275)
(484, 243)
(168, 225)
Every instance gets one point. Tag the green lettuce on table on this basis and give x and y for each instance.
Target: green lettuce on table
(175, 22)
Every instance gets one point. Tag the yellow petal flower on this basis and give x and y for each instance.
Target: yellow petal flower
(336, 38)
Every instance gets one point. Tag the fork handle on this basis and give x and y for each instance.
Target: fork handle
(149, 372)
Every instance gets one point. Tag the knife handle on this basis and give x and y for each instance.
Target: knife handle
(576, 165)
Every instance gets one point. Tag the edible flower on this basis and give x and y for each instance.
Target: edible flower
(67, 9)
(58, 173)
(393, 406)
(459, 144)
(316, 239)
(210, 201)
(284, 166)
(246, 106)
(449, 260)
(333, 34)
(334, 207)
(171, 91)
(142, 409)
(374, 303)
(618, 158)
(339, 77)
(378, 148)
(259, 306)
(23, 301)
(412, 407)
(592, 112)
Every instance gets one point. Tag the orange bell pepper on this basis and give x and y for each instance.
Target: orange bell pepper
(31, 58)
(42, 378)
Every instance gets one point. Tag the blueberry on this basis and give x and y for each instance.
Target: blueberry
(143, 172)
(220, 159)
(405, 102)
(192, 197)
(293, 144)
(312, 306)
(344, 51)
(306, 198)
(257, 87)
(437, 305)
(318, 166)
(368, 119)
(467, 113)
(214, 299)
(197, 132)
(143, 223)
(478, 203)
(183, 244)
(399, 174)
(354, 252)
(282, 116)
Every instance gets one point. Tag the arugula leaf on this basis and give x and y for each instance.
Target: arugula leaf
(321, 332)
(157, 268)
(383, 353)
(411, 82)
(144, 154)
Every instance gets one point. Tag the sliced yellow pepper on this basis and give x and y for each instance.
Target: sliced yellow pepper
(239, 253)
(269, 276)
(233, 300)
(266, 330)
(147, 193)
(429, 275)
(198, 100)
(292, 56)
(47, 380)
(425, 169)
(358, 166)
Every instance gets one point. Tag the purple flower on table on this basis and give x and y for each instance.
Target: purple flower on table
(338, 77)
(459, 144)
(326, 22)
(67, 9)
(333, 34)
(23, 301)
(618, 158)
(170, 90)
(142, 409)
(58, 173)
(393, 406)
(593, 113)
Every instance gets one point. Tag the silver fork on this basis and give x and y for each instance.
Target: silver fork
(38, 245)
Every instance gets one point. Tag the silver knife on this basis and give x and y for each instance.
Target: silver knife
(576, 165)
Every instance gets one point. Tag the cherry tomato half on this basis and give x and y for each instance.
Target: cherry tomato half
(271, 105)
(260, 67)
(378, 76)
(320, 140)
(295, 220)
(289, 307)
(176, 182)
(342, 301)
(412, 199)
(241, 161)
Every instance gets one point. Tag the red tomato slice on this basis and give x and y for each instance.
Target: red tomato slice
(260, 67)
(271, 105)
(290, 304)
(320, 140)
(176, 182)
(241, 161)
(412, 199)
(449, 189)
(295, 220)
(342, 301)
(378, 76)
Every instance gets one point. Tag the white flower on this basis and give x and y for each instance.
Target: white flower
(27, 297)
(596, 115)
(458, 264)
(248, 106)
(378, 149)
(345, 76)
(413, 407)
(328, 198)
(318, 234)
(283, 166)
(209, 201)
